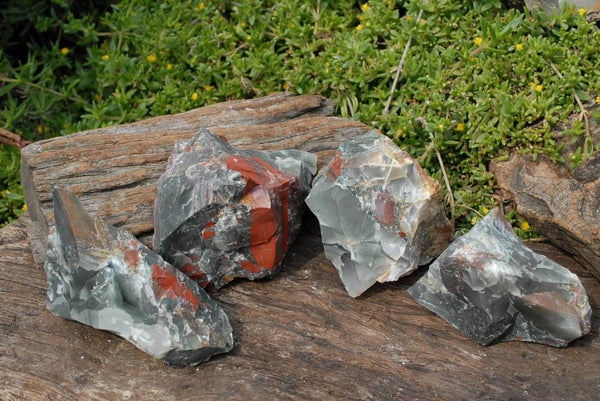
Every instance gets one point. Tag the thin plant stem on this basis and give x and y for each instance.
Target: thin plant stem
(400, 68)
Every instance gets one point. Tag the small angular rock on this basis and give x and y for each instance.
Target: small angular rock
(104, 277)
(381, 215)
(493, 288)
(554, 5)
(223, 213)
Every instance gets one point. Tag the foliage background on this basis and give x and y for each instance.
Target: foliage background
(479, 78)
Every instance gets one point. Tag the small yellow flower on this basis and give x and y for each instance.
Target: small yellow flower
(151, 58)
(598, 99)
(362, 18)
(441, 126)
(359, 27)
(201, 6)
(40, 129)
(525, 226)
(105, 57)
(208, 88)
(409, 18)
(519, 47)
(532, 84)
(460, 127)
(582, 11)
(423, 21)
(474, 221)
(24, 208)
(485, 210)
(64, 51)
(539, 88)
(365, 7)
(478, 41)
(286, 86)
(194, 96)
(169, 66)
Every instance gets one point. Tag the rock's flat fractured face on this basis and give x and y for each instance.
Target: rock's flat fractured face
(493, 288)
(223, 213)
(381, 215)
(104, 277)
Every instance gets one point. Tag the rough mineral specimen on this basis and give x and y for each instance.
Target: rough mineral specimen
(223, 212)
(554, 5)
(381, 216)
(104, 277)
(493, 288)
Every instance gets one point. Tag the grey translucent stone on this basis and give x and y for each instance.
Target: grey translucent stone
(554, 5)
(222, 212)
(104, 277)
(381, 215)
(493, 288)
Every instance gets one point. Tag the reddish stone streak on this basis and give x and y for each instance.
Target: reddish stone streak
(402, 234)
(207, 232)
(266, 247)
(197, 275)
(335, 168)
(384, 209)
(169, 286)
(131, 257)
(251, 267)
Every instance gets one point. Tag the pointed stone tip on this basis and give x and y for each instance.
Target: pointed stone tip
(72, 222)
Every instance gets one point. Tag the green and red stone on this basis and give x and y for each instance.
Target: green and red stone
(246, 205)
(103, 276)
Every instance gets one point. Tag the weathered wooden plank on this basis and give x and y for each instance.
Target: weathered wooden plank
(298, 337)
(114, 170)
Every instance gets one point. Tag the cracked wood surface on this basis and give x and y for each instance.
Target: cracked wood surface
(297, 337)
(561, 204)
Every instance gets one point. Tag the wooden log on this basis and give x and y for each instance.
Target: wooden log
(114, 170)
(561, 204)
(298, 336)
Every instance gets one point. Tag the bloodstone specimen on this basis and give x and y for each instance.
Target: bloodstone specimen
(223, 213)
(493, 288)
(104, 277)
(381, 216)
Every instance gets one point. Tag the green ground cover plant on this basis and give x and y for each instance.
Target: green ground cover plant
(478, 80)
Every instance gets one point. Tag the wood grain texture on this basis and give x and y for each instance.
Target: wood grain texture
(297, 337)
(561, 204)
(114, 170)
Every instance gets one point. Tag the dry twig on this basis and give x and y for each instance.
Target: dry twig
(400, 68)
(584, 113)
(8, 138)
